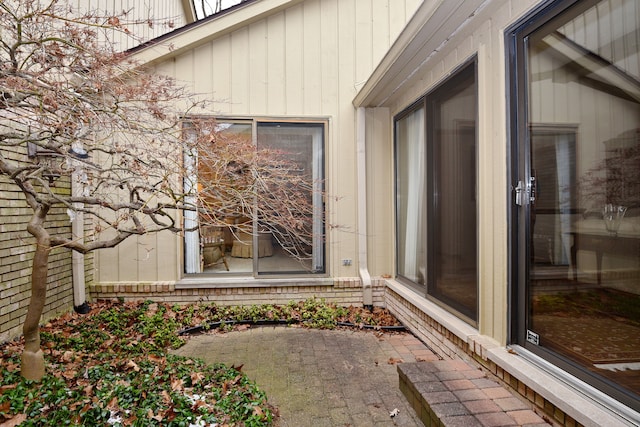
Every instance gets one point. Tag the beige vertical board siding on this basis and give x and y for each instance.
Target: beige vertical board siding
(240, 72)
(257, 72)
(312, 67)
(107, 265)
(293, 61)
(203, 70)
(147, 257)
(380, 193)
(364, 40)
(167, 254)
(147, 18)
(220, 72)
(380, 31)
(341, 154)
(275, 83)
(127, 261)
(301, 61)
(329, 54)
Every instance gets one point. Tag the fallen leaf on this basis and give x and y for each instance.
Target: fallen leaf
(15, 421)
(196, 377)
(133, 365)
(153, 416)
(258, 411)
(7, 387)
(177, 384)
(113, 403)
(69, 374)
(156, 359)
(394, 360)
(152, 309)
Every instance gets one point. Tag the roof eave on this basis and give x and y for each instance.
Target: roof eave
(431, 26)
(200, 32)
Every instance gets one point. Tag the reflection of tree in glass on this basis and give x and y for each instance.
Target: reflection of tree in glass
(238, 181)
(616, 178)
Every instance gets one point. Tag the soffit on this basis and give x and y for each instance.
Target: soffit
(200, 32)
(433, 24)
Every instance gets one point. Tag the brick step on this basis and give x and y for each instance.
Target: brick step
(453, 393)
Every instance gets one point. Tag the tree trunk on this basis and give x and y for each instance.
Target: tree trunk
(32, 361)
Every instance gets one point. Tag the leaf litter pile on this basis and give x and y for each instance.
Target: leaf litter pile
(112, 367)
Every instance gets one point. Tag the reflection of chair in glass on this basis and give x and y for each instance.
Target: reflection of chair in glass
(213, 248)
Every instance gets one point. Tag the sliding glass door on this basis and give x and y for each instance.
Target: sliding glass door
(576, 128)
(436, 212)
(259, 185)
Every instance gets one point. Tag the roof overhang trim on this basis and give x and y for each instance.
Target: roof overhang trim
(203, 31)
(432, 25)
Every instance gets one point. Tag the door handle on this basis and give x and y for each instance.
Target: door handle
(526, 193)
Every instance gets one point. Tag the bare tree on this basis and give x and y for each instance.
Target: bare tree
(85, 129)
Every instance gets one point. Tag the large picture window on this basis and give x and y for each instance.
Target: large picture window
(576, 141)
(259, 187)
(436, 194)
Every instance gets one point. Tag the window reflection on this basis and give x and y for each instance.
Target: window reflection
(584, 123)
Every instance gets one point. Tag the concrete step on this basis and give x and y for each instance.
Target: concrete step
(453, 393)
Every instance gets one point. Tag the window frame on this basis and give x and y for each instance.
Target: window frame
(546, 14)
(253, 122)
(427, 102)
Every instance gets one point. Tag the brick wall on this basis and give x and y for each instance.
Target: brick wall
(342, 291)
(16, 254)
(450, 347)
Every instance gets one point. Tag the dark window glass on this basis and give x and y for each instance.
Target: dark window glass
(452, 193)
(436, 195)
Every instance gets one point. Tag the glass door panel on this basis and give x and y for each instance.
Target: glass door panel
(583, 293)
(411, 197)
(452, 190)
(225, 226)
(293, 243)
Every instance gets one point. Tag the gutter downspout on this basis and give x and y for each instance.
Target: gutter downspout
(361, 170)
(77, 232)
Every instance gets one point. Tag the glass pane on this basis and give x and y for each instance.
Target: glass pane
(453, 145)
(584, 116)
(226, 231)
(291, 227)
(410, 197)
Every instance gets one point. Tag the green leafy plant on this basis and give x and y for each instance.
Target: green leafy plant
(112, 368)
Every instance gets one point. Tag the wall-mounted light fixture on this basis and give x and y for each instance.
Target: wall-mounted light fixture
(52, 161)
(49, 160)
